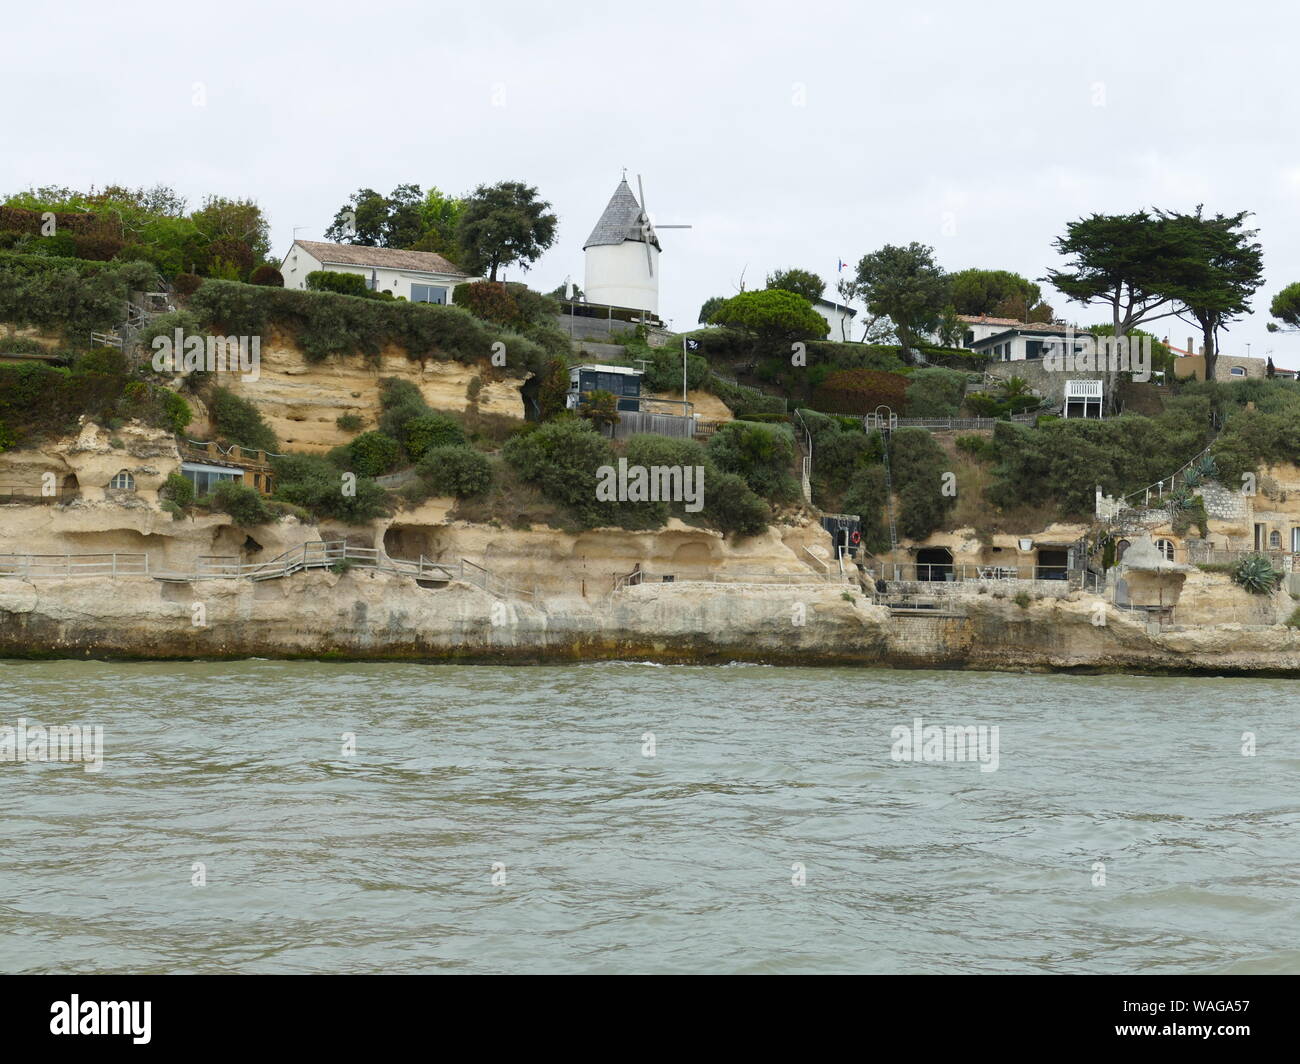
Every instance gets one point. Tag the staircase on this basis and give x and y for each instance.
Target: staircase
(138, 314)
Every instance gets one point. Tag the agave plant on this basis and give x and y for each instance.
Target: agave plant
(1256, 574)
(1203, 469)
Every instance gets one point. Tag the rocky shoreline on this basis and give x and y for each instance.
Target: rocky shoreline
(366, 615)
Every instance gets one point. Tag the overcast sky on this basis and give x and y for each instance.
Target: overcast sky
(785, 133)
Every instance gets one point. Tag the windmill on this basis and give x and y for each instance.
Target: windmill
(647, 227)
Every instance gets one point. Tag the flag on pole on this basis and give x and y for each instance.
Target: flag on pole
(842, 264)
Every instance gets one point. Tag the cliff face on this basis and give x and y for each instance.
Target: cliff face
(364, 614)
(301, 400)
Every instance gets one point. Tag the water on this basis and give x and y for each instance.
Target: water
(615, 862)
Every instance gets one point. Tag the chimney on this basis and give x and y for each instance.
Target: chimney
(1190, 349)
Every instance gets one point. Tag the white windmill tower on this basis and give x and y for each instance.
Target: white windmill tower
(622, 268)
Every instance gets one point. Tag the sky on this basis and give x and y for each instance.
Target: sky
(784, 134)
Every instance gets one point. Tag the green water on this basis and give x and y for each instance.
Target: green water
(619, 862)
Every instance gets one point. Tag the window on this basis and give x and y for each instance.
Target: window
(206, 478)
(123, 482)
(1275, 540)
(428, 293)
(1238, 371)
(1166, 548)
(1295, 541)
(969, 339)
(1033, 349)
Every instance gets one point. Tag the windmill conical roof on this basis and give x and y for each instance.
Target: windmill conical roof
(621, 220)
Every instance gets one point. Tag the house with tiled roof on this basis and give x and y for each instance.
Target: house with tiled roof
(1189, 361)
(419, 276)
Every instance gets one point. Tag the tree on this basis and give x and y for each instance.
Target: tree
(504, 223)
(1121, 260)
(1215, 266)
(440, 216)
(600, 408)
(801, 282)
(709, 306)
(774, 319)
(991, 292)
(362, 220)
(242, 220)
(952, 330)
(1286, 308)
(905, 285)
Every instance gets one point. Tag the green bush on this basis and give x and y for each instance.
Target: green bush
(761, 454)
(731, 506)
(866, 497)
(394, 391)
(935, 393)
(313, 483)
(918, 464)
(72, 296)
(977, 446)
(432, 430)
(562, 458)
(346, 284)
(236, 420)
(349, 422)
(243, 503)
(186, 284)
(372, 454)
(326, 324)
(268, 276)
(178, 489)
(459, 471)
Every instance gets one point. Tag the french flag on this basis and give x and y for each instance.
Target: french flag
(842, 264)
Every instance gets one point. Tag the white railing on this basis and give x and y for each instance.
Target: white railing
(49, 565)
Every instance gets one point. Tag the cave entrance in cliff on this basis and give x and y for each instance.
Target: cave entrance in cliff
(410, 542)
(934, 563)
(70, 488)
(1052, 564)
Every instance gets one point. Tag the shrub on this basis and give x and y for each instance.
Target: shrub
(186, 284)
(1022, 600)
(268, 276)
(393, 391)
(236, 420)
(562, 458)
(731, 506)
(243, 503)
(935, 393)
(459, 471)
(424, 432)
(313, 483)
(349, 422)
(918, 464)
(866, 497)
(1256, 574)
(976, 446)
(346, 284)
(860, 391)
(178, 490)
(372, 453)
(761, 454)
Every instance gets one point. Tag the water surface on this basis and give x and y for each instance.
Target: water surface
(616, 862)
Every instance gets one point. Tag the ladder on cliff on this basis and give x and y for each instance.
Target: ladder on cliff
(887, 421)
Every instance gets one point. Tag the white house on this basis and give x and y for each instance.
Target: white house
(838, 317)
(1020, 341)
(977, 327)
(420, 276)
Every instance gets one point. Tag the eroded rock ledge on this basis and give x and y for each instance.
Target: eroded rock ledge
(367, 615)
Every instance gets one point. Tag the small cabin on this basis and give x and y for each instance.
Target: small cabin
(623, 383)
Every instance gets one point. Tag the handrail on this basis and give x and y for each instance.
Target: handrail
(1161, 483)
